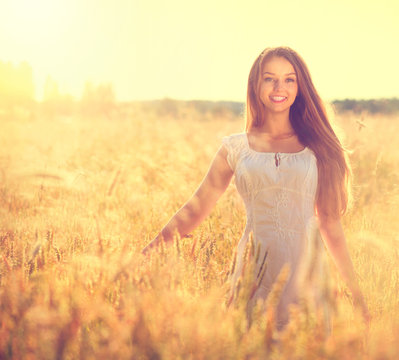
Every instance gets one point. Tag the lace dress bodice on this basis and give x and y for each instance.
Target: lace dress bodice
(278, 190)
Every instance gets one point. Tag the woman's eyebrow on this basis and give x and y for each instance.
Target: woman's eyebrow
(267, 72)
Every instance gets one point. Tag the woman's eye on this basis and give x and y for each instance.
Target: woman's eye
(290, 80)
(268, 79)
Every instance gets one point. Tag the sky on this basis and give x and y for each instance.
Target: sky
(204, 49)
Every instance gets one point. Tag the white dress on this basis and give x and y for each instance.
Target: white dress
(278, 190)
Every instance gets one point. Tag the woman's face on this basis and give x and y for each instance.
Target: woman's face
(279, 85)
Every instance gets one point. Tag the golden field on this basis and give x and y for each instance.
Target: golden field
(80, 196)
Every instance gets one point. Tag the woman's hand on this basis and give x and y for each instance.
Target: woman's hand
(360, 303)
(153, 245)
(150, 246)
(334, 238)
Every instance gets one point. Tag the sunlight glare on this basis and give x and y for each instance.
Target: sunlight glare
(35, 21)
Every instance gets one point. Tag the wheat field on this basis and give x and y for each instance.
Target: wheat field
(80, 196)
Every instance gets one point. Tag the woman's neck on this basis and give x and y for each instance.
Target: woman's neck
(276, 125)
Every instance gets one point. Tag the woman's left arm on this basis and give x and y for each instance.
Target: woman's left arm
(334, 238)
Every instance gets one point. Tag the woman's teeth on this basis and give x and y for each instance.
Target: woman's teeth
(278, 98)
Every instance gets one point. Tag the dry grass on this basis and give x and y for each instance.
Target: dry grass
(79, 198)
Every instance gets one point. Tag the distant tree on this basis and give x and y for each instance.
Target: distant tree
(372, 106)
(51, 89)
(168, 107)
(16, 85)
(98, 100)
(55, 103)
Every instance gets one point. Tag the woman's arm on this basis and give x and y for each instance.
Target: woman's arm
(201, 203)
(334, 238)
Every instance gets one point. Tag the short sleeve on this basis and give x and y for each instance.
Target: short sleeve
(231, 152)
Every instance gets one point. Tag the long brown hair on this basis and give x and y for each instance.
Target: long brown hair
(309, 119)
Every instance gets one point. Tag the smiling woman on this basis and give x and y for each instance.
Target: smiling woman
(293, 176)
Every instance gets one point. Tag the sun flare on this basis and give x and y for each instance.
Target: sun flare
(35, 22)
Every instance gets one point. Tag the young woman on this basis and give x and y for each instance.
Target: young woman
(291, 172)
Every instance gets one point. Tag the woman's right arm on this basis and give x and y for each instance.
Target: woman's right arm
(197, 208)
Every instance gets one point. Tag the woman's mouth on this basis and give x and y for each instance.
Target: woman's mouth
(278, 99)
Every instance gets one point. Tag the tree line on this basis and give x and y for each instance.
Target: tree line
(372, 106)
(17, 90)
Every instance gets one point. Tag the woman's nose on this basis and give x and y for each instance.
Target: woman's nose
(278, 84)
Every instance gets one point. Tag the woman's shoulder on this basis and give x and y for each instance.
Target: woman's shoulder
(237, 135)
(235, 138)
(235, 145)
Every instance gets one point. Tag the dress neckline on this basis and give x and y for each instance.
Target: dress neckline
(271, 152)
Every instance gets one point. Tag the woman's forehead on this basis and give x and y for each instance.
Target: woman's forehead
(278, 64)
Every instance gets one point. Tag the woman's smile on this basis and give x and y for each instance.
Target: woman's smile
(278, 99)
